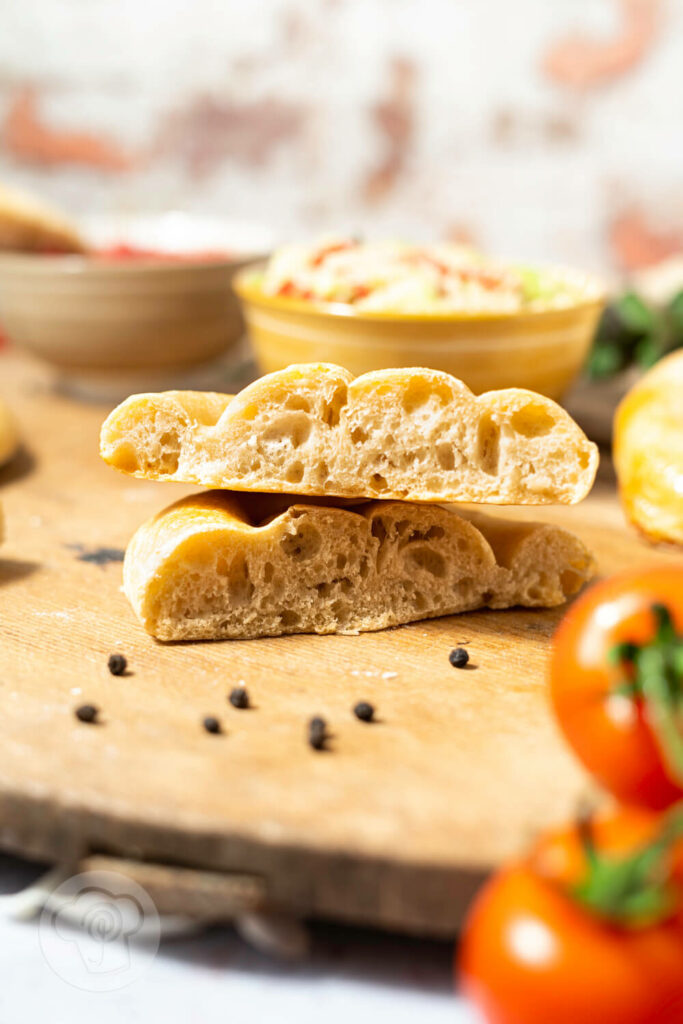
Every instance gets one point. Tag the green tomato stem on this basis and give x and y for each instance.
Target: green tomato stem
(632, 891)
(657, 680)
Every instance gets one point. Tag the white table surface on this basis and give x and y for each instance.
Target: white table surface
(350, 975)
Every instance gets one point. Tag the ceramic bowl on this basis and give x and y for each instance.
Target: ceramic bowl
(543, 351)
(110, 326)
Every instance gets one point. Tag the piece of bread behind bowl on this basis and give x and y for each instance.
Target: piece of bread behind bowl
(29, 225)
(210, 567)
(648, 451)
(9, 435)
(313, 429)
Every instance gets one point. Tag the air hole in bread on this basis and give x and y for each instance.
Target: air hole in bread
(445, 456)
(379, 529)
(488, 444)
(268, 572)
(363, 568)
(303, 544)
(417, 393)
(571, 581)
(240, 587)
(532, 421)
(487, 596)
(429, 560)
(358, 435)
(379, 482)
(340, 609)
(294, 427)
(435, 533)
(126, 458)
(295, 473)
(170, 452)
(298, 402)
(289, 618)
(334, 406)
(341, 561)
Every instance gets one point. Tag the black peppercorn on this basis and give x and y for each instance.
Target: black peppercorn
(87, 713)
(239, 698)
(458, 657)
(317, 733)
(117, 664)
(364, 711)
(212, 725)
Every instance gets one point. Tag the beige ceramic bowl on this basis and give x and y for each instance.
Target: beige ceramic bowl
(111, 327)
(542, 351)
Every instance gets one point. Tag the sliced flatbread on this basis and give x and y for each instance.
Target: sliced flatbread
(206, 569)
(28, 225)
(412, 434)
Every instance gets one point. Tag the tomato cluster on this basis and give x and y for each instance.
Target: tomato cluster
(589, 926)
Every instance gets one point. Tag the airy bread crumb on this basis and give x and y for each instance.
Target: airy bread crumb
(212, 567)
(412, 434)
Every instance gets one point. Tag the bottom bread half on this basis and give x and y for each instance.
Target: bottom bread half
(221, 565)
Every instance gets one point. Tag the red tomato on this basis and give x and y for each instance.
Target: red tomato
(532, 953)
(616, 683)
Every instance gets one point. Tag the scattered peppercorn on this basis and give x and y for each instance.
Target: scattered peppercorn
(87, 713)
(317, 733)
(212, 725)
(364, 710)
(239, 698)
(458, 657)
(117, 664)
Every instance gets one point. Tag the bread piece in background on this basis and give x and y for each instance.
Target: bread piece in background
(9, 435)
(29, 225)
(313, 429)
(648, 451)
(206, 569)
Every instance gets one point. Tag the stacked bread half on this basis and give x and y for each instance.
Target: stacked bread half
(337, 503)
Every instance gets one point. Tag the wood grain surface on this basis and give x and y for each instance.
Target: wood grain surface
(392, 825)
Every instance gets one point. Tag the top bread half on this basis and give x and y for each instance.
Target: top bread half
(312, 429)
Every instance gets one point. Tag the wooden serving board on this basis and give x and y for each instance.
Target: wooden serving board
(392, 826)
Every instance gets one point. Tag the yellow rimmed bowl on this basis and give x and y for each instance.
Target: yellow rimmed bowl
(541, 350)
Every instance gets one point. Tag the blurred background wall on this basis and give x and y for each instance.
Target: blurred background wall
(540, 128)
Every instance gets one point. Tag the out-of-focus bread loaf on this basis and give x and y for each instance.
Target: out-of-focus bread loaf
(648, 451)
(28, 225)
